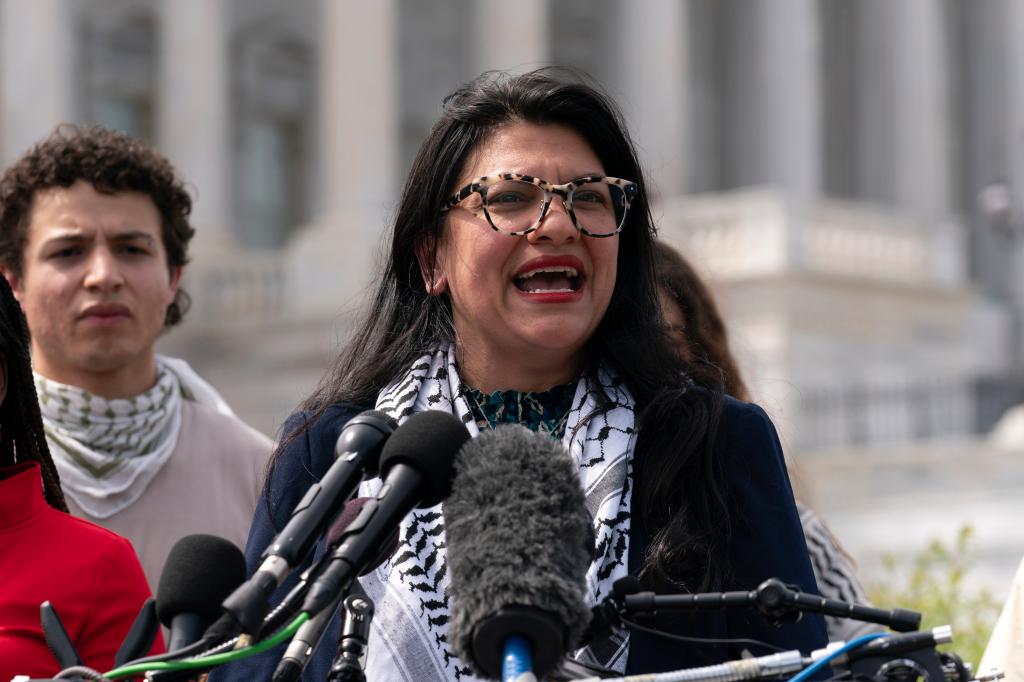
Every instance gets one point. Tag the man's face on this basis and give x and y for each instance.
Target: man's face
(95, 284)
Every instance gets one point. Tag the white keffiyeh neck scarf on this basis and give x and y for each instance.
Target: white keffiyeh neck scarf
(410, 625)
(108, 451)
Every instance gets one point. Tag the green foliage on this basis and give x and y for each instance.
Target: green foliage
(934, 586)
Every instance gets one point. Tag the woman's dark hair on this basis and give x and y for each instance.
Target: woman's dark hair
(111, 162)
(680, 498)
(21, 426)
(707, 341)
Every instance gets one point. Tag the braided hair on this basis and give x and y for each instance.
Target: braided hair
(21, 426)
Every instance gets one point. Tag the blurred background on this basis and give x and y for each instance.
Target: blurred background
(849, 176)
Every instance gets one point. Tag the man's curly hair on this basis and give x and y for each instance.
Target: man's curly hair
(111, 162)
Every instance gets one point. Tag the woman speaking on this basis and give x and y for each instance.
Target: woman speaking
(520, 288)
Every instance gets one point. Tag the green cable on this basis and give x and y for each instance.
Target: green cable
(210, 661)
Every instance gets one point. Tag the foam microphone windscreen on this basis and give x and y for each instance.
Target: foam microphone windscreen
(200, 572)
(520, 541)
(349, 514)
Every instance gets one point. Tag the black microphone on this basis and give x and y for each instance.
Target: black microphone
(775, 600)
(57, 638)
(356, 453)
(141, 634)
(300, 650)
(200, 571)
(353, 508)
(773, 593)
(520, 541)
(416, 463)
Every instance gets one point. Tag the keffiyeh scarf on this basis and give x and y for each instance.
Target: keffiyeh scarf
(108, 451)
(410, 625)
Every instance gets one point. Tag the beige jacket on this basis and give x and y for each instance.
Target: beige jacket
(210, 484)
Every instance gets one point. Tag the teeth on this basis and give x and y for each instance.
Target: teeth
(549, 291)
(571, 272)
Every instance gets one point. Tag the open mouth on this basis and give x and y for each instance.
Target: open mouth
(549, 280)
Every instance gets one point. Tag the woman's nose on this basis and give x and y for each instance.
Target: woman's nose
(557, 225)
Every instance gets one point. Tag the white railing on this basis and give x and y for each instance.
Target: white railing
(729, 234)
(880, 412)
(246, 286)
(757, 231)
(861, 241)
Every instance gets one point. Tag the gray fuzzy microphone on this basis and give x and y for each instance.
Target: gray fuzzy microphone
(520, 541)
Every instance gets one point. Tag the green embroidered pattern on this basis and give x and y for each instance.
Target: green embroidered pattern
(541, 411)
(99, 435)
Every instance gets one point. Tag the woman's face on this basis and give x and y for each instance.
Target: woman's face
(525, 306)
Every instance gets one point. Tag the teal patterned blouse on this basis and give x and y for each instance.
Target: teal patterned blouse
(542, 411)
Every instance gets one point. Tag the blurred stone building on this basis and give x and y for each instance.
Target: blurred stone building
(849, 175)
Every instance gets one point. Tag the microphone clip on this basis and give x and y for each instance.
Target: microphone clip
(355, 633)
(776, 602)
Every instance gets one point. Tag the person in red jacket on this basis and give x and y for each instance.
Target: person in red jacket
(90, 575)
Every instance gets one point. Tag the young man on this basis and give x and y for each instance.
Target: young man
(94, 232)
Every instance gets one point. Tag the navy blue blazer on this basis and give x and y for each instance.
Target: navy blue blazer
(766, 541)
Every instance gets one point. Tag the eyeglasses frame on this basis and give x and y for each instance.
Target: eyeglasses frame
(479, 186)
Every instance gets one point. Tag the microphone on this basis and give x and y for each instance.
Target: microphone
(300, 650)
(775, 600)
(349, 514)
(200, 571)
(417, 466)
(520, 541)
(356, 452)
(141, 634)
(355, 633)
(57, 638)
(303, 643)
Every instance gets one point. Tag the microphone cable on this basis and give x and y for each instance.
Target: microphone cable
(138, 668)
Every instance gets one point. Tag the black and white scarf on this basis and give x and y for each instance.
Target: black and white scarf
(409, 639)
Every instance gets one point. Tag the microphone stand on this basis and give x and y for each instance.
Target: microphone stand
(776, 601)
(355, 632)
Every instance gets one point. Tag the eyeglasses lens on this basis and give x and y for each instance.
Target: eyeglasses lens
(514, 205)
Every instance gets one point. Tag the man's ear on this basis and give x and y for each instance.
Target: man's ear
(431, 266)
(12, 280)
(176, 273)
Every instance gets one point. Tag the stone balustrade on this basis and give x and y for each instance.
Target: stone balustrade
(752, 232)
(249, 286)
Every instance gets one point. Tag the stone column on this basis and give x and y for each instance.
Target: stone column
(772, 136)
(905, 107)
(193, 117)
(1013, 131)
(510, 38)
(37, 57)
(704, 99)
(333, 260)
(653, 76)
(990, 144)
(359, 106)
(774, 103)
(1013, 143)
